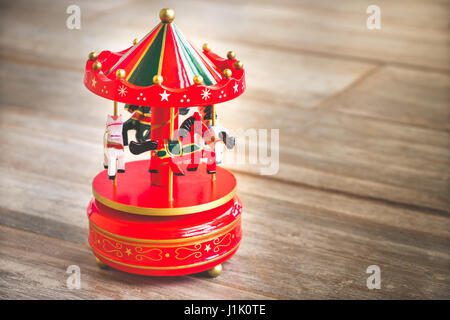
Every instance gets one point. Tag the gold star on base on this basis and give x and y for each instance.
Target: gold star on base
(207, 247)
(128, 251)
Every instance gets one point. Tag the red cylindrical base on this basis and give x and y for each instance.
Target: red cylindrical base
(164, 245)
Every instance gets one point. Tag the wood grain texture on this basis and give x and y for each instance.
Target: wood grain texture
(325, 28)
(414, 98)
(352, 154)
(34, 267)
(321, 28)
(364, 148)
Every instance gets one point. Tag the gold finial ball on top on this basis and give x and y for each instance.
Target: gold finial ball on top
(120, 73)
(231, 55)
(93, 56)
(167, 15)
(135, 40)
(206, 47)
(227, 73)
(238, 65)
(198, 79)
(215, 271)
(158, 79)
(97, 66)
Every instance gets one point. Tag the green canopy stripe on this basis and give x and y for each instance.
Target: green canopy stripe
(192, 60)
(148, 67)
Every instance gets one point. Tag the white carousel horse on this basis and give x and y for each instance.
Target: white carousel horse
(114, 156)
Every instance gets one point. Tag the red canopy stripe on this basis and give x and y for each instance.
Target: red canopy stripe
(173, 69)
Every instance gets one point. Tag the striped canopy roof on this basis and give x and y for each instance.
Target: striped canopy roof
(165, 51)
(127, 76)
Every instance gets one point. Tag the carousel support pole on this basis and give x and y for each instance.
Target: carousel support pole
(115, 115)
(172, 116)
(160, 132)
(213, 123)
(115, 109)
(213, 115)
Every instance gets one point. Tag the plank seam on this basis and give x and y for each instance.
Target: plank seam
(392, 203)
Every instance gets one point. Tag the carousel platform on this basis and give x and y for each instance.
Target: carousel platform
(133, 226)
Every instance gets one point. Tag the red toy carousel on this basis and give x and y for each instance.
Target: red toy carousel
(176, 213)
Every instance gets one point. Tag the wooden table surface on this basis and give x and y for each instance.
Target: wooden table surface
(364, 147)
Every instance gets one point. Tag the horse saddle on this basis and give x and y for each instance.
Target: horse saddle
(174, 148)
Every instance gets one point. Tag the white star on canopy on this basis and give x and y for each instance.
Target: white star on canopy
(235, 87)
(164, 96)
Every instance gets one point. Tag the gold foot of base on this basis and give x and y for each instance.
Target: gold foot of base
(215, 271)
(100, 264)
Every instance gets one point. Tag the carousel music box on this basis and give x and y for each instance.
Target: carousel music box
(175, 213)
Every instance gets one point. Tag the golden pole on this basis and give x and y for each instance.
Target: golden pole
(170, 185)
(115, 115)
(213, 122)
(172, 116)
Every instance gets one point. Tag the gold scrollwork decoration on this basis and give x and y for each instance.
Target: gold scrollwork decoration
(141, 254)
(220, 242)
(117, 247)
(191, 251)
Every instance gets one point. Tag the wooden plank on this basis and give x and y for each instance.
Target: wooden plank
(36, 30)
(399, 95)
(296, 216)
(50, 193)
(328, 28)
(318, 147)
(306, 253)
(279, 82)
(345, 206)
(34, 267)
(345, 153)
(361, 181)
(338, 238)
